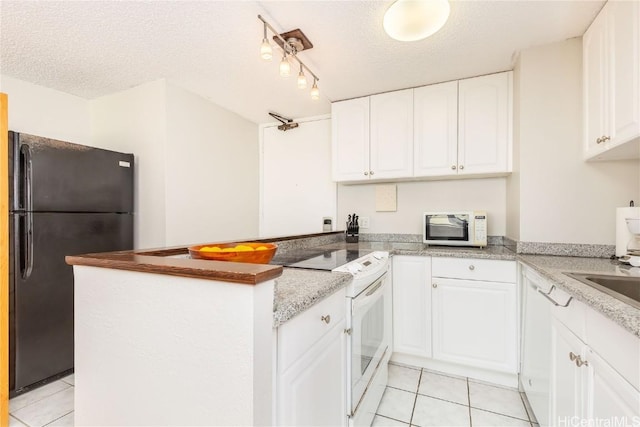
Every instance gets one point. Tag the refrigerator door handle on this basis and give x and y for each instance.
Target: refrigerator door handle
(26, 194)
(26, 246)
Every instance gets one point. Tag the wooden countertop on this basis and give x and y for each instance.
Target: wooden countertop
(163, 261)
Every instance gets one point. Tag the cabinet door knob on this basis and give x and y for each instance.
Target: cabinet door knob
(434, 285)
(572, 356)
(453, 167)
(370, 172)
(461, 167)
(366, 173)
(606, 138)
(326, 319)
(472, 267)
(580, 363)
(598, 141)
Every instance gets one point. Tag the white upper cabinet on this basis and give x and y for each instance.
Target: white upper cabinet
(484, 124)
(449, 129)
(350, 140)
(391, 143)
(435, 129)
(611, 84)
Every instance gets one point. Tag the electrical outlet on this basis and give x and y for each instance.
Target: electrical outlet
(363, 222)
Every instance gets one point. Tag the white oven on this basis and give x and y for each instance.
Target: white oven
(369, 336)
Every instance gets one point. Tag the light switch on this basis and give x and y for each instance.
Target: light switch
(386, 198)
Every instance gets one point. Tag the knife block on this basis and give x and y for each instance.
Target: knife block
(352, 238)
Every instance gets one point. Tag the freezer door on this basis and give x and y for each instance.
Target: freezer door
(56, 176)
(43, 284)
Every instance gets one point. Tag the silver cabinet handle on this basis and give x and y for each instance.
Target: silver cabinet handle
(434, 285)
(370, 172)
(366, 173)
(547, 296)
(573, 356)
(471, 267)
(326, 319)
(606, 138)
(461, 167)
(598, 141)
(580, 363)
(453, 167)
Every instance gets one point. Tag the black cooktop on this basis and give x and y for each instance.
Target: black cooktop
(318, 259)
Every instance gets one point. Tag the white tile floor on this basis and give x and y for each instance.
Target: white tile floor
(414, 396)
(418, 397)
(50, 405)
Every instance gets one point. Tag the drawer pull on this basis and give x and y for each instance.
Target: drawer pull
(326, 319)
(471, 267)
(435, 285)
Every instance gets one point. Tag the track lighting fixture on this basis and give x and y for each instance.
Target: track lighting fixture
(291, 43)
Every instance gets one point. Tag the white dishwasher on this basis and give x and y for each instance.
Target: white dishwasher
(536, 346)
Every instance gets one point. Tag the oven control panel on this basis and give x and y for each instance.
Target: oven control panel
(365, 270)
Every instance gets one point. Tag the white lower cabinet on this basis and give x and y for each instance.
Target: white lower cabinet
(567, 380)
(457, 315)
(610, 396)
(593, 362)
(585, 388)
(311, 366)
(475, 323)
(412, 305)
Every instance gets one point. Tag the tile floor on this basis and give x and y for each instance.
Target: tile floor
(419, 397)
(414, 396)
(50, 405)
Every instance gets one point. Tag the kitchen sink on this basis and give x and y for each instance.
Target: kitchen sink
(626, 289)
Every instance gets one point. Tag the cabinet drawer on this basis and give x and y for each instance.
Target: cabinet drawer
(474, 269)
(299, 334)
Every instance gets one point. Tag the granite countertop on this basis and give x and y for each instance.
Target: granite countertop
(554, 267)
(298, 289)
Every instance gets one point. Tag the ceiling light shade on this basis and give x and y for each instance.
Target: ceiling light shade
(302, 80)
(285, 67)
(315, 92)
(265, 50)
(411, 20)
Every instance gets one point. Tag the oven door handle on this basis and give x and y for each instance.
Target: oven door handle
(370, 294)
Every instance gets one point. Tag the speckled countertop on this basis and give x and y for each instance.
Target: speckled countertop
(554, 267)
(298, 289)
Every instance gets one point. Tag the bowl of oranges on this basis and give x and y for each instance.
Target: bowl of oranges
(251, 252)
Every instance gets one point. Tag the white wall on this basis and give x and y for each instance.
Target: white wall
(211, 181)
(513, 180)
(562, 198)
(134, 121)
(296, 188)
(41, 111)
(414, 198)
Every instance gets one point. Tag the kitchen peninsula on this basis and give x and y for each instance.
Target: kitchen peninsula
(169, 340)
(195, 341)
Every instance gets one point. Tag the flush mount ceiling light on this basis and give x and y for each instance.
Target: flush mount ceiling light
(291, 43)
(411, 20)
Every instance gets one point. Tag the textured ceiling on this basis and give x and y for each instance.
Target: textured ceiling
(94, 48)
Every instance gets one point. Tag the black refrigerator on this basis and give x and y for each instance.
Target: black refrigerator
(64, 199)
